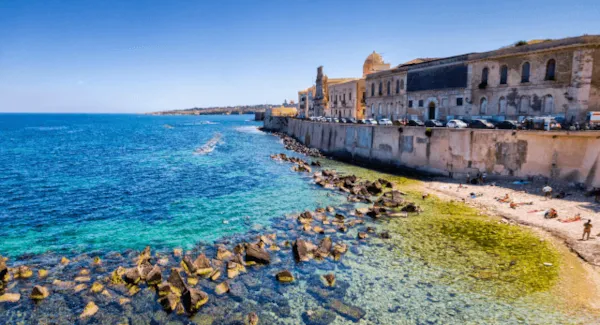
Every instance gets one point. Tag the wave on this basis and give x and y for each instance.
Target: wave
(209, 146)
(249, 129)
(200, 123)
(46, 128)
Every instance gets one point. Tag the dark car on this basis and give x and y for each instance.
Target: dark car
(343, 120)
(363, 121)
(508, 125)
(415, 123)
(434, 123)
(352, 120)
(480, 124)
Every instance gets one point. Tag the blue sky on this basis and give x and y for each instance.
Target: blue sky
(140, 56)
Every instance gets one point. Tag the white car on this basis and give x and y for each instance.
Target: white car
(385, 121)
(371, 121)
(456, 124)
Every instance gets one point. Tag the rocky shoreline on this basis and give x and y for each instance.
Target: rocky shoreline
(183, 283)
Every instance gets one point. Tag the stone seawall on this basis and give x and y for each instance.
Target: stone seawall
(557, 155)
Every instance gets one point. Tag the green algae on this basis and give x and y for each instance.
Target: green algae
(479, 252)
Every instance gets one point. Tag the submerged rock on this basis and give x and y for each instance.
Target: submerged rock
(222, 288)
(352, 313)
(411, 207)
(23, 272)
(193, 299)
(318, 317)
(223, 254)
(285, 276)
(10, 297)
(329, 279)
(251, 319)
(97, 287)
(324, 248)
(90, 310)
(301, 251)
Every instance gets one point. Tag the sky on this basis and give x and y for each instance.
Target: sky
(143, 56)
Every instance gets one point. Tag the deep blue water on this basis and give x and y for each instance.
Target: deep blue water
(71, 183)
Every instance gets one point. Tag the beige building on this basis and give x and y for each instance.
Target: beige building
(555, 77)
(346, 99)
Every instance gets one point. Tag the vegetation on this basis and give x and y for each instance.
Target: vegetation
(521, 43)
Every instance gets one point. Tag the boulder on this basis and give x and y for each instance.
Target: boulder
(176, 282)
(285, 276)
(203, 266)
(154, 277)
(385, 183)
(301, 252)
(38, 293)
(132, 276)
(223, 254)
(10, 297)
(411, 207)
(193, 299)
(222, 288)
(257, 255)
(215, 275)
(163, 289)
(41, 273)
(385, 235)
(324, 248)
(328, 173)
(169, 302)
(330, 209)
(3, 269)
(251, 319)
(144, 270)
(64, 261)
(96, 287)
(188, 265)
(329, 279)
(374, 188)
(23, 272)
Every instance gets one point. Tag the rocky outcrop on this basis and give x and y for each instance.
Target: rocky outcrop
(193, 299)
(257, 255)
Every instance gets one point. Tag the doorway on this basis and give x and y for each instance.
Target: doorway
(431, 110)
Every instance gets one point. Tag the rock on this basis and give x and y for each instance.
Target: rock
(23, 272)
(63, 285)
(117, 276)
(305, 217)
(324, 248)
(251, 319)
(215, 275)
(131, 276)
(80, 287)
(385, 183)
(222, 288)
(338, 250)
(350, 312)
(97, 287)
(239, 249)
(38, 293)
(133, 290)
(193, 299)
(362, 235)
(301, 252)
(124, 301)
(192, 281)
(163, 289)
(97, 261)
(339, 217)
(177, 252)
(154, 277)
(106, 294)
(329, 279)
(203, 266)
(3, 269)
(318, 317)
(328, 173)
(176, 282)
(411, 207)
(223, 254)
(330, 209)
(233, 269)
(285, 276)
(257, 255)
(169, 302)
(144, 256)
(385, 235)
(374, 188)
(188, 265)
(343, 229)
(41, 273)
(318, 230)
(89, 310)
(83, 279)
(64, 261)
(10, 297)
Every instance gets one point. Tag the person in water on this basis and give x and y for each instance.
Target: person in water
(587, 229)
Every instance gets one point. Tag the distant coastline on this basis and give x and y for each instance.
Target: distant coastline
(229, 110)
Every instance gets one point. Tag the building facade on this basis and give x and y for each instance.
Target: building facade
(346, 99)
(555, 77)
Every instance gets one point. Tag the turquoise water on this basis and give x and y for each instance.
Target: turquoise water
(74, 183)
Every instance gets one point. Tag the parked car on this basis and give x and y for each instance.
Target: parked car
(371, 121)
(384, 121)
(434, 123)
(363, 121)
(415, 123)
(399, 122)
(336, 120)
(329, 119)
(456, 124)
(343, 120)
(481, 124)
(508, 125)
(352, 120)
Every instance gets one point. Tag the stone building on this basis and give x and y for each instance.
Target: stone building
(553, 77)
(306, 105)
(346, 99)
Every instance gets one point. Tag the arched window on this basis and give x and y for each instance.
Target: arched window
(549, 104)
(397, 86)
(389, 87)
(550, 69)
(401, 83)
(379, 109)
(372, 109)
(524, 105)
(503, 74)
(525, 72)
(484, 75)
(483, 106)
(502, 106)
(380, 88)
(372, 89)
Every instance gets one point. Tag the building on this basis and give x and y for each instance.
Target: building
(346, 99)
(553, 77)
(305, 102)
(281, 111)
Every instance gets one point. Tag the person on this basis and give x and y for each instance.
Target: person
(587, 229)
(483, 177)
(551, 214)
(468, 178)
(547, 190)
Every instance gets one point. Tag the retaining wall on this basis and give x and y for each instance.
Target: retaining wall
(558, 155)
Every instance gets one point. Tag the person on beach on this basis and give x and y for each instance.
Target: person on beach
(587, 229)
(547, 190)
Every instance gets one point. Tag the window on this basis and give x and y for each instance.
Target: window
(402, 84)
(484, 75)
(389, 87)
(410, 104)
(525, 72)
(397, 86)
(420, 103)
(350, 96)
(379, 109)
(502, 106)
(372, 109)
(344, 98)
(549, 104)
(459, 101)
(524, 105)
(503, 74)
(550, 69)
(483, 106)
(380, 88)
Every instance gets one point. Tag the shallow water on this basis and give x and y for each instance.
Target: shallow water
(169, 205)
